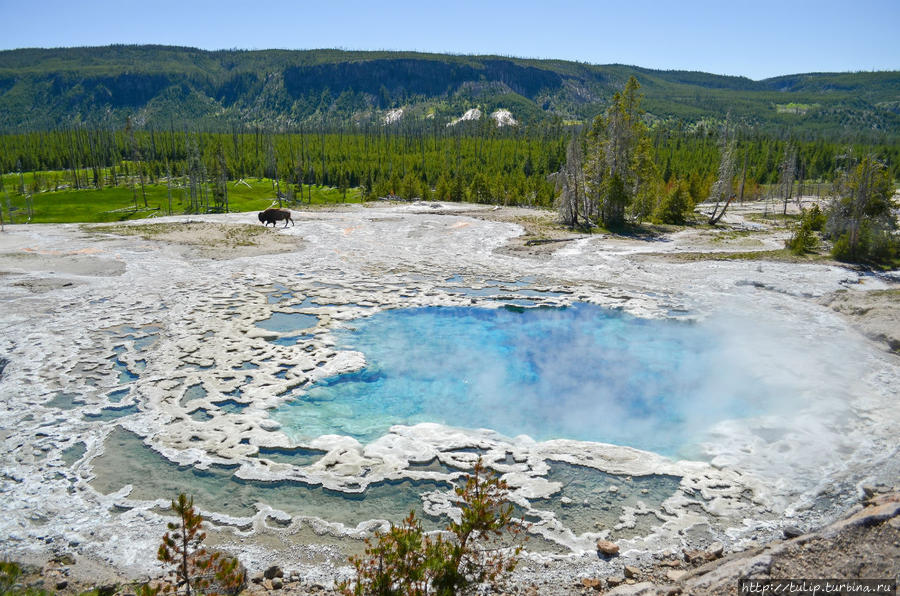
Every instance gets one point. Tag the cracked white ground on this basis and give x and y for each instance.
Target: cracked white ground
(86, 316)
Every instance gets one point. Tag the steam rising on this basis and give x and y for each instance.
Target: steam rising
(580, 373)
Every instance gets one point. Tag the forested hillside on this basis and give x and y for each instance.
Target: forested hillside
(171, 87)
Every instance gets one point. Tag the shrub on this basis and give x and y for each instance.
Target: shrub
(804, 238)
(861, 217)
(674, 206)
(871, 246)
(405, 561)
(9, 574)
(195, 568)
(814, 218)
(802, 241)
(11, 581)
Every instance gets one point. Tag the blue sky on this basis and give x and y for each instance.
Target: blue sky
(757, 39)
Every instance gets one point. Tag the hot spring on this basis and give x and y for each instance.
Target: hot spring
(582, 372)
(307, 411)
(501, 382)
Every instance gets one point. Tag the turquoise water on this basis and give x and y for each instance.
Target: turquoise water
(581, 372)
(126, 460)
(231, 406)
(118, 395)
(111, 413)
(65, 401)
(297, 456)
(591, 499)
(72, 454)
(292, 340)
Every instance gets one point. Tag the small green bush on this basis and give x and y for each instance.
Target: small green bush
(405, 561)
(879, 247)
(814, 217)
(804, 239)
(674, 206)
(9, 574)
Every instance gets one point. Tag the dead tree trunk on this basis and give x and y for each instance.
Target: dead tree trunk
(714, 218)
(721, 189)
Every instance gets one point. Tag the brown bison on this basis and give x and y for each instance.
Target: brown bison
(272, 215)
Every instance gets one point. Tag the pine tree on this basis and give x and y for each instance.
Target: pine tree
(861, 216)
(406, 561)
(195, 568)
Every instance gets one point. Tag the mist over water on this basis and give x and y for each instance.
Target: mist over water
(582, 372)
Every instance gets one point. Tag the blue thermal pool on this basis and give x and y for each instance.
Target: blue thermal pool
(581, 372)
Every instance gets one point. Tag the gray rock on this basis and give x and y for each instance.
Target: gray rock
(273, 572)
(641, 589)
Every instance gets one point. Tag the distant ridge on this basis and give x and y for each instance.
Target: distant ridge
(163, 86)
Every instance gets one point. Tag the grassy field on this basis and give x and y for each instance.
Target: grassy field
(111, 204)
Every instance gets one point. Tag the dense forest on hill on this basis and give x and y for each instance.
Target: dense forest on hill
(164, 87)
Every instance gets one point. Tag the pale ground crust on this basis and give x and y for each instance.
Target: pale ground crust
(863, 545)
(41, 266)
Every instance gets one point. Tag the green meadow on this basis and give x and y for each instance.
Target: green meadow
(121, 203)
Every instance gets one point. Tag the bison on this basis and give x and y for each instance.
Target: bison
(272, 215)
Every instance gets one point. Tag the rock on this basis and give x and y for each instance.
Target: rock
(694, 556)
(610, 549)
(868, 492)
(631, 571)
(715, 551)
(565, 501)
(791, 532)
(277, 584)
(257, 579)
(881, 509)
(671, 563)
(64, 559)
(591, 582)
(62, 584)
(267, 584)
(614, 581)
(675, 574)
(641, 589)
(613, 489)
(273, 572)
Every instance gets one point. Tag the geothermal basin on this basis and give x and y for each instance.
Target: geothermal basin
(312, 392)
